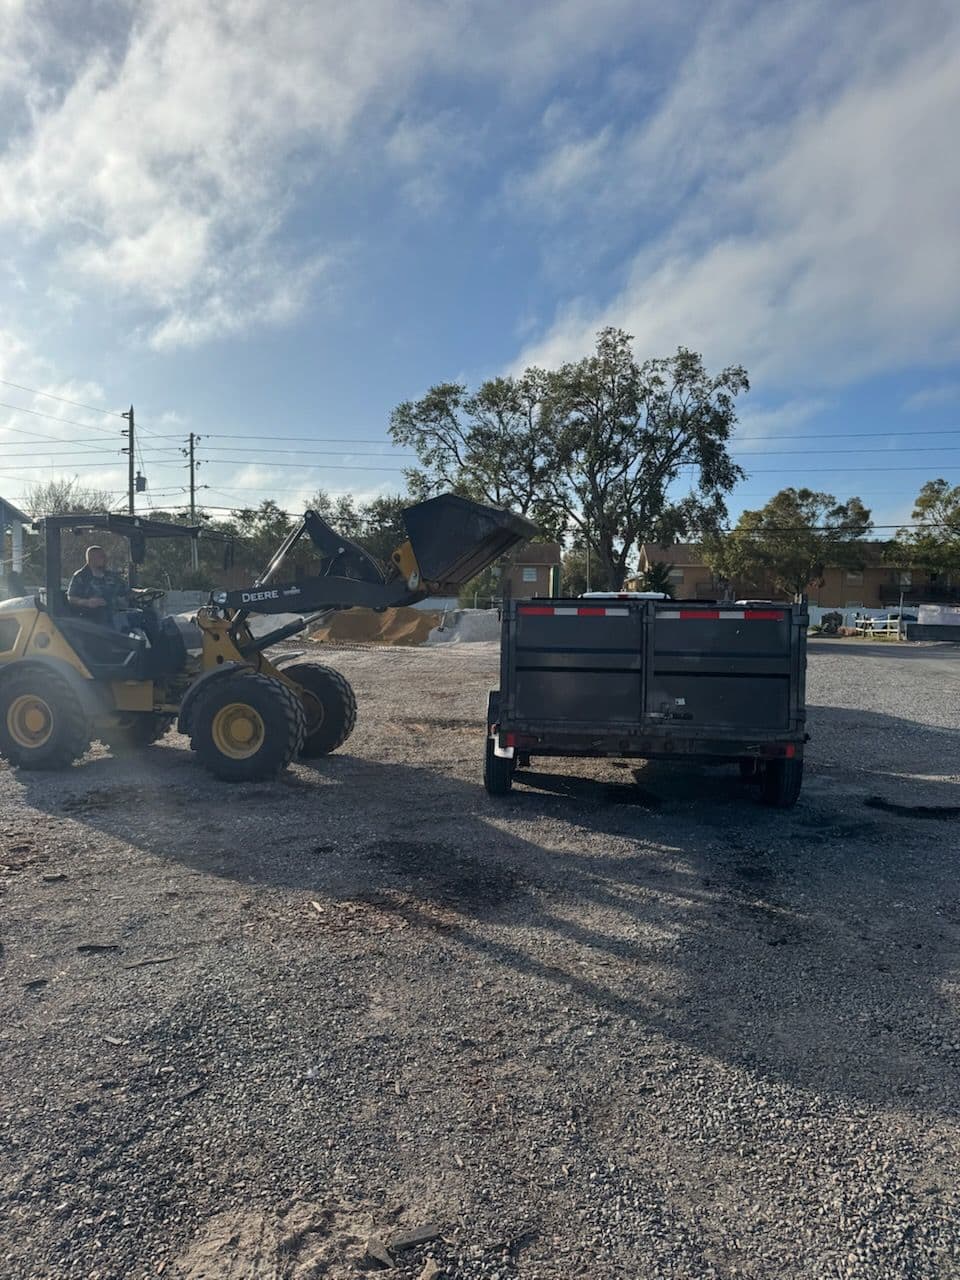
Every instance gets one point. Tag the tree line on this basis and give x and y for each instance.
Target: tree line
(605, 454)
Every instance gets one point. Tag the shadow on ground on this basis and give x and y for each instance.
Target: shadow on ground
(811, 945)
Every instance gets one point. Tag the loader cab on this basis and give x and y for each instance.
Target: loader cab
(150, 648)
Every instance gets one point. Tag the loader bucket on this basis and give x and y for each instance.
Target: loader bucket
(454, 539)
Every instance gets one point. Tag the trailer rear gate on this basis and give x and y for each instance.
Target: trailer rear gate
(651, 679)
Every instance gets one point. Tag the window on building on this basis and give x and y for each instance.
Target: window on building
(675, 576)
(529, 573)
(855, 577)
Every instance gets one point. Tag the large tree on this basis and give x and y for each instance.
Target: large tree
(933, 540)
(623, 433)
(487, 444)
(795, 538)
(594, 449)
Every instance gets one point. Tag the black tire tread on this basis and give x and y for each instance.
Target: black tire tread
(322, 743)
(147, 728)
(73, 736)
(780, 783)
(281, 753)
(497, 771)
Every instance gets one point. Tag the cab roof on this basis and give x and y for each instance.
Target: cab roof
(125, 526)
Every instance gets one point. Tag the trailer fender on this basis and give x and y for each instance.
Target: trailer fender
(200, 685)
(493, 725)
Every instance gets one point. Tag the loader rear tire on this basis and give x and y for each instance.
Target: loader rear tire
(42, 721)
(247, 727)
(329, 703)
(497, 771)
(138, 730)
(780, 783)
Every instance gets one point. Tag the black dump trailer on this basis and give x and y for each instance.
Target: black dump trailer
(652, 679)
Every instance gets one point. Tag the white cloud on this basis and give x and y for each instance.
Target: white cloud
(185, 136)
(817, 248)
(933, 397)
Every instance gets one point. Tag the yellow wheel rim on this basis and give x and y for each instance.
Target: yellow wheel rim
(238, 731)
(29, 721)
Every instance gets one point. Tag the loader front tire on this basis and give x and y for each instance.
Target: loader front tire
(329, 703)
(247, 727)
(42, 721)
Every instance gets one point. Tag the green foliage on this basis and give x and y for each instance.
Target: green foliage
(573, 573)
(593, 448)
(793, 539)
(485, 590)
(657, 578)
(934, 542)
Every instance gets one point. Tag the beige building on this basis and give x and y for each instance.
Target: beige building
(535, 570)
(876, 585)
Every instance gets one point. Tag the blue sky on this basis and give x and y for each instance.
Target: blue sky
(269, 222)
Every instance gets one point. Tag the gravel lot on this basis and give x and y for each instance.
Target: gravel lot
(623, 1023)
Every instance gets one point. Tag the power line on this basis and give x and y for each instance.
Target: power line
(67, 422)
(92, 408)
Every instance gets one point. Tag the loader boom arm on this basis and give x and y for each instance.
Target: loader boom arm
(451, 539)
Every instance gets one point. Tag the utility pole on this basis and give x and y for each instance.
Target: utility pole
(194, 549)
(131, 477)
(131, 483)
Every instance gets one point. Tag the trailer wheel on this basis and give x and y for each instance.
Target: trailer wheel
(330, 705)
(497, 771)
(247, 727)
(780, 783)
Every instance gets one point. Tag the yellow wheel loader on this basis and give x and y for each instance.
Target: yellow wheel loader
(65, 680)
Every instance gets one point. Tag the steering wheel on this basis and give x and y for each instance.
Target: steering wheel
(146, 595)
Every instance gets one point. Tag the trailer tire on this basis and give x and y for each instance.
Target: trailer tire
(330, 706)
(497, 771)
(780, 783)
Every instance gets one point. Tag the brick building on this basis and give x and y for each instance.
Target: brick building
(879, 583)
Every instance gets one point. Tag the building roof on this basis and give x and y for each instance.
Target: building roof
(9, 512)
(548, 553)
(680, 554)
(872, 553)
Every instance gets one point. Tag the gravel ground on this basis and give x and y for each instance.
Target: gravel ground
(625, 1022)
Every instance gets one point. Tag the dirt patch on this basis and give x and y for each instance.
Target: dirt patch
(305, 1242)
(402, 626)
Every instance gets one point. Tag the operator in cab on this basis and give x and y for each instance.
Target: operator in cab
(98, 592)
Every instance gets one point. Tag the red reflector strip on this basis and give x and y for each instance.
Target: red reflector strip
(531, 609)
(509, 740)
(591, 613)
(699, 613)
(763, 615)
(790, 751)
